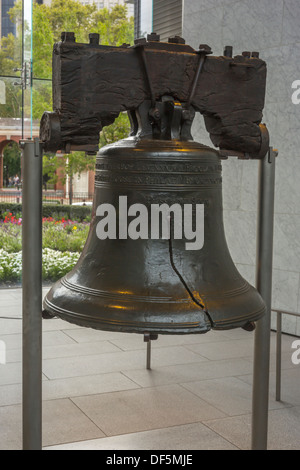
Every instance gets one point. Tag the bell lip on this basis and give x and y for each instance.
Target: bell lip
(227, 324)
(142, 328)
(126, 327)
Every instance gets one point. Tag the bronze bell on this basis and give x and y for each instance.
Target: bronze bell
(151, 285)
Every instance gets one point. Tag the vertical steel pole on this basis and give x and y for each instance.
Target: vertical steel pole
(32, 294)
(278, 355)
(148, 361)
(260, 401)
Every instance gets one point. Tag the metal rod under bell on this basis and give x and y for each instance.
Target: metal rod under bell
(149, 355)
(32, 294)
(260, 399)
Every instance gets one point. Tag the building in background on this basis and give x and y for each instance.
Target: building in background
(6, 26)
(163, 16)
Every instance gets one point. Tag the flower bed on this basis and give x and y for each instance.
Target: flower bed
(63, 241)
(62, 235)
(55, 265)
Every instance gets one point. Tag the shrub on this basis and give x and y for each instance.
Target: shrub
(55, 265)
(65, 236)
(78, 213)
(61, 236)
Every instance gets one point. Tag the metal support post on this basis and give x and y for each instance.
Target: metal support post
(278, 355)
(32, 294)
(148, 364)
(260, 401)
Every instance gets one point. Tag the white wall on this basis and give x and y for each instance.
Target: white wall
(271, 27)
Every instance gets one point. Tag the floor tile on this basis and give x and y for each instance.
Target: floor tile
(10, 394)
(134, 342)
(224, 349)
(145, 409)
(116, 361)
(10, 373)
(62, 422)
(96, 382)
(187, 437)
(50, 338)
(72, 387)
(54, 324)
(85, 335)
(11, 427)
(290, 385)
(284, 429)
(228, 394)
(9, 327)
(189, 372)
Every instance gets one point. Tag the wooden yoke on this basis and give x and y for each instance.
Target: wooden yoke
(92, 84)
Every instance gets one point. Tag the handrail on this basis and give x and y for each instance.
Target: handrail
(279, 313)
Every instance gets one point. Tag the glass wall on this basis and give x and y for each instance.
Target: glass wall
(146, 18)
(26, 46)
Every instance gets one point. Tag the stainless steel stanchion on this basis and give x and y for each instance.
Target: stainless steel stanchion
(278, 355)
(260, 400)
(32, 294)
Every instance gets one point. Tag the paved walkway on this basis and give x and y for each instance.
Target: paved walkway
(98, 394)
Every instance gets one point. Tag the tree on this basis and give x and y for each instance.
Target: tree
(11, 161)
(116, 131)
(60, 167)
(48, 21)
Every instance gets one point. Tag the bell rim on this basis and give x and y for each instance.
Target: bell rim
(107, 324)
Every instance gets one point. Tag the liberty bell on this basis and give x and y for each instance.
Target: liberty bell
(156, 259)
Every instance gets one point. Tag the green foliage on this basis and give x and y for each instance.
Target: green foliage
(55, 265)
(11, 238)
(120, 129)
(48, 22)
(58, 237)
(58, 167)
(113, 26)
(65, 238)
(76, 213)
(11, 160)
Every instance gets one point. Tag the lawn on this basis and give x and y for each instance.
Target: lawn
(63, 241)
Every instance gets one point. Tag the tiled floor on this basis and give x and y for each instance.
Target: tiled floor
(98, 393)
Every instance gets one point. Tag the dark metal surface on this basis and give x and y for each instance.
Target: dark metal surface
(32, 294)
(156, 286)
(92, 84)
(131, 285)
(261, 369)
